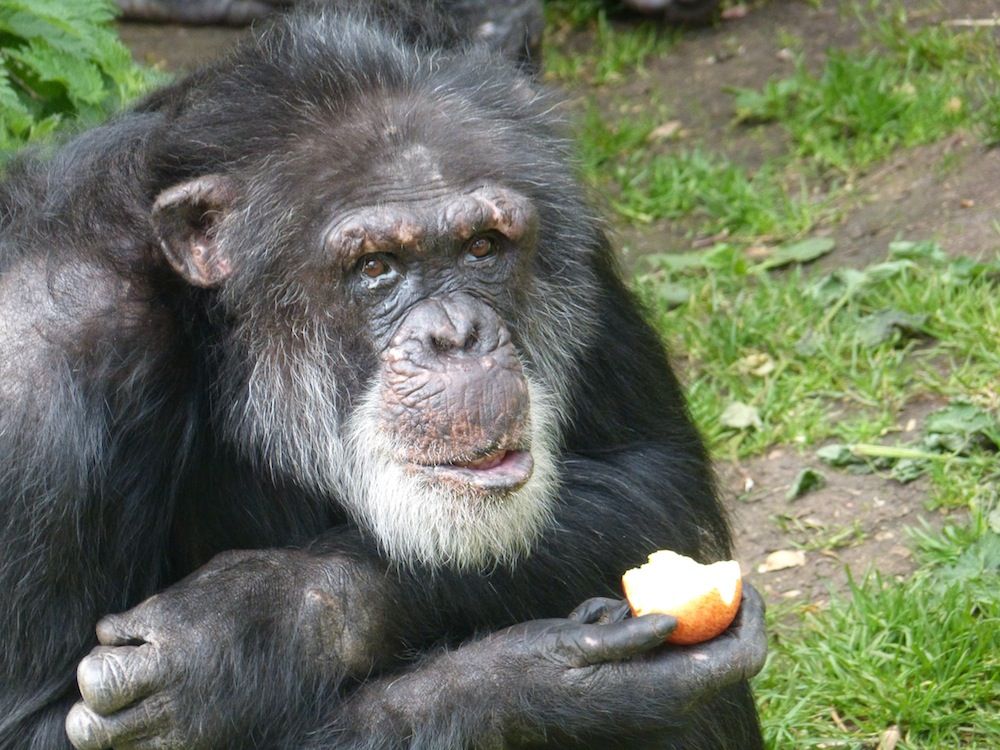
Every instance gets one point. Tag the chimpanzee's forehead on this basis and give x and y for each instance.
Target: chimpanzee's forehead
(410, 146)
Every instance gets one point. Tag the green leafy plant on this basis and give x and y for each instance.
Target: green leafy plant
(60, 61)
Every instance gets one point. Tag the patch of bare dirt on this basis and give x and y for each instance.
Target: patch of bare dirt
(177, 48)
(946, 191)
(854, 523)
(850, 526)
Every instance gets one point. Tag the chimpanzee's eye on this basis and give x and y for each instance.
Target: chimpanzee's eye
(481, 247)
(374, 266)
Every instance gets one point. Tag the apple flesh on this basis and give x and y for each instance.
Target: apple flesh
(703, 598)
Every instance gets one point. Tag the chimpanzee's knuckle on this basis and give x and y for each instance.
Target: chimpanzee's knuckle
(85, 729)
(341, 635)
(100, 678)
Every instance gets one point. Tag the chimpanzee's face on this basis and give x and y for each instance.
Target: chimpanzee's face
(451, 446)
(388, 369)
(433, 278)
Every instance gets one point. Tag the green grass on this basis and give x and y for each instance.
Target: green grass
(827, 380)
(923, 656)
(645, 185)
(611, 52)
(903, 87)
(860, 108)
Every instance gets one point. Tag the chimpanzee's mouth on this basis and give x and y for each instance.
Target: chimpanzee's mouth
(500, 470)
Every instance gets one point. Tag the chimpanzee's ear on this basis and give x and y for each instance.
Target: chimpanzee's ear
(185, 218)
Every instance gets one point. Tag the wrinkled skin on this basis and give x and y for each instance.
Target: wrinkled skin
(181, 640)
(454, 387)
(189, 639)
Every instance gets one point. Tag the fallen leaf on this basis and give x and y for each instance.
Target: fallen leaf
(758, 364)
(993, 519)
(907, 470)
(665, 131)
(673, 294)
(967, 203)
(734, 13)
(920, 251)
(799, 252)
(953, 106)
(838, 454)
(806, 481)
(889, 739)
(740, 416)
(843, 282)
(782, 559)
(962, 425)
(880, 327)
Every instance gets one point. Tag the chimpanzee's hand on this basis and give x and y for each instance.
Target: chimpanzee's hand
(196, 665)
(568, 676)
(602, 663)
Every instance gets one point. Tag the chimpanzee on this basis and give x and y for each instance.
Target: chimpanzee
(316, 367)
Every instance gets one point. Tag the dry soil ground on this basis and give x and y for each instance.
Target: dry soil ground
(946, 190)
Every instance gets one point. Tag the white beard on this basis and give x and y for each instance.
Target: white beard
(416, 519)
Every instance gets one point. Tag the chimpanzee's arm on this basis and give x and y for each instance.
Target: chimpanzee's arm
(599, 684)
(185, 682)
(86, 458)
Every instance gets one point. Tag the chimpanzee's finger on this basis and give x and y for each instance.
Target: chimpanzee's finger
(111, 678)
(88, 730)
(125, 629)
(737, 654)
(600, 609)
(752, 608)
(751, 631)
(622, 640)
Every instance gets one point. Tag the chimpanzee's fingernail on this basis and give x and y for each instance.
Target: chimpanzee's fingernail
(664, 625)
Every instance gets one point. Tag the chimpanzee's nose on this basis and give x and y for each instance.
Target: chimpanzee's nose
(456, 325)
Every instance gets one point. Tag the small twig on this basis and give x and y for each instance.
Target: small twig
(974, 23)
(838, 721)
(868, 450)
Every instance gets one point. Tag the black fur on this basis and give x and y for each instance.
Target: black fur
(119, 473)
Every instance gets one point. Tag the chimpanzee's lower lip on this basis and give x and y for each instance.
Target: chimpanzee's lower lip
(503, 471)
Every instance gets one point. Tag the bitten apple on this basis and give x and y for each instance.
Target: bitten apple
(703, 598)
